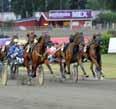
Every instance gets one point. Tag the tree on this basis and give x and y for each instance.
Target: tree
(111, 4)
(1, 4)
(4, 6)
(57, 4)
(107, 17)
(54, 5)
(25, 8)
(101, 4)
(96, 4)
(82, 4)
(74, 4)
(78, 4)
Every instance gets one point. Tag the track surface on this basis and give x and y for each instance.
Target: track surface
(89, 94)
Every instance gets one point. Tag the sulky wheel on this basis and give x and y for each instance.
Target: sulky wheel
(40, 75)
(4, 76)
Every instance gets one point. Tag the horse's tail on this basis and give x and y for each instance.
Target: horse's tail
(98, 56)
(87, 49)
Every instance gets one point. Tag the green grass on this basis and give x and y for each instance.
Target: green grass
(109, 65)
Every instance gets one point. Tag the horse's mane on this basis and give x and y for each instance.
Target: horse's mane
(39, 39)
(77, 38)
(97, 50)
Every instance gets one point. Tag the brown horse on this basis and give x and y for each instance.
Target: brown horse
(36, 57)
(3, 65)
(72, 53)
(3, 52)
(94, 55)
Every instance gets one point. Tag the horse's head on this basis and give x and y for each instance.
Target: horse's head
(77, 38)
(41, 40)
(97, 39)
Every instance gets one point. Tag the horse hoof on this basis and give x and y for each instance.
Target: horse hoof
(62, 79)
(86, 76)
(29, 83)
(102, 78)
(96, 78)
(68, 73)
(63, 76)
(54, 77)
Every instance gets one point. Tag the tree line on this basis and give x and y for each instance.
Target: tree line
(25, 8)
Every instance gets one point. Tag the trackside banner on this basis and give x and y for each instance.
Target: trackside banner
(112, 45)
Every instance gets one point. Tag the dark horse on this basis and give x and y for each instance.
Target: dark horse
(36, 57)
(94, 55)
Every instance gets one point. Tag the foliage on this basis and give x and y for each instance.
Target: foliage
(4, 6)
(107, 17)
(1, 5)
(25, 8)
(105, 42)
(111, 4)
(101, 4)
(77, 4)
(96, 4)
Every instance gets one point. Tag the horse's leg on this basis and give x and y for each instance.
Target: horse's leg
(65, 68)
(34, 67)
(49, 67)
(100, 64)
(26, 63)
(91, 67)
(62, 69)
(102, 74)
(76, 71)
(68, 67)
(99, 73)
(29, 72)
(82, 67)
(98, 69)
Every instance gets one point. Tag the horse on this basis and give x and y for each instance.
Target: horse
(36, 57)
(93, 53)
(71, 53)
(2, 57)
(2, 52)
(3, 65)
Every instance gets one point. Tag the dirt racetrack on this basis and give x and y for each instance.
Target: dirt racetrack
(88, 94)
